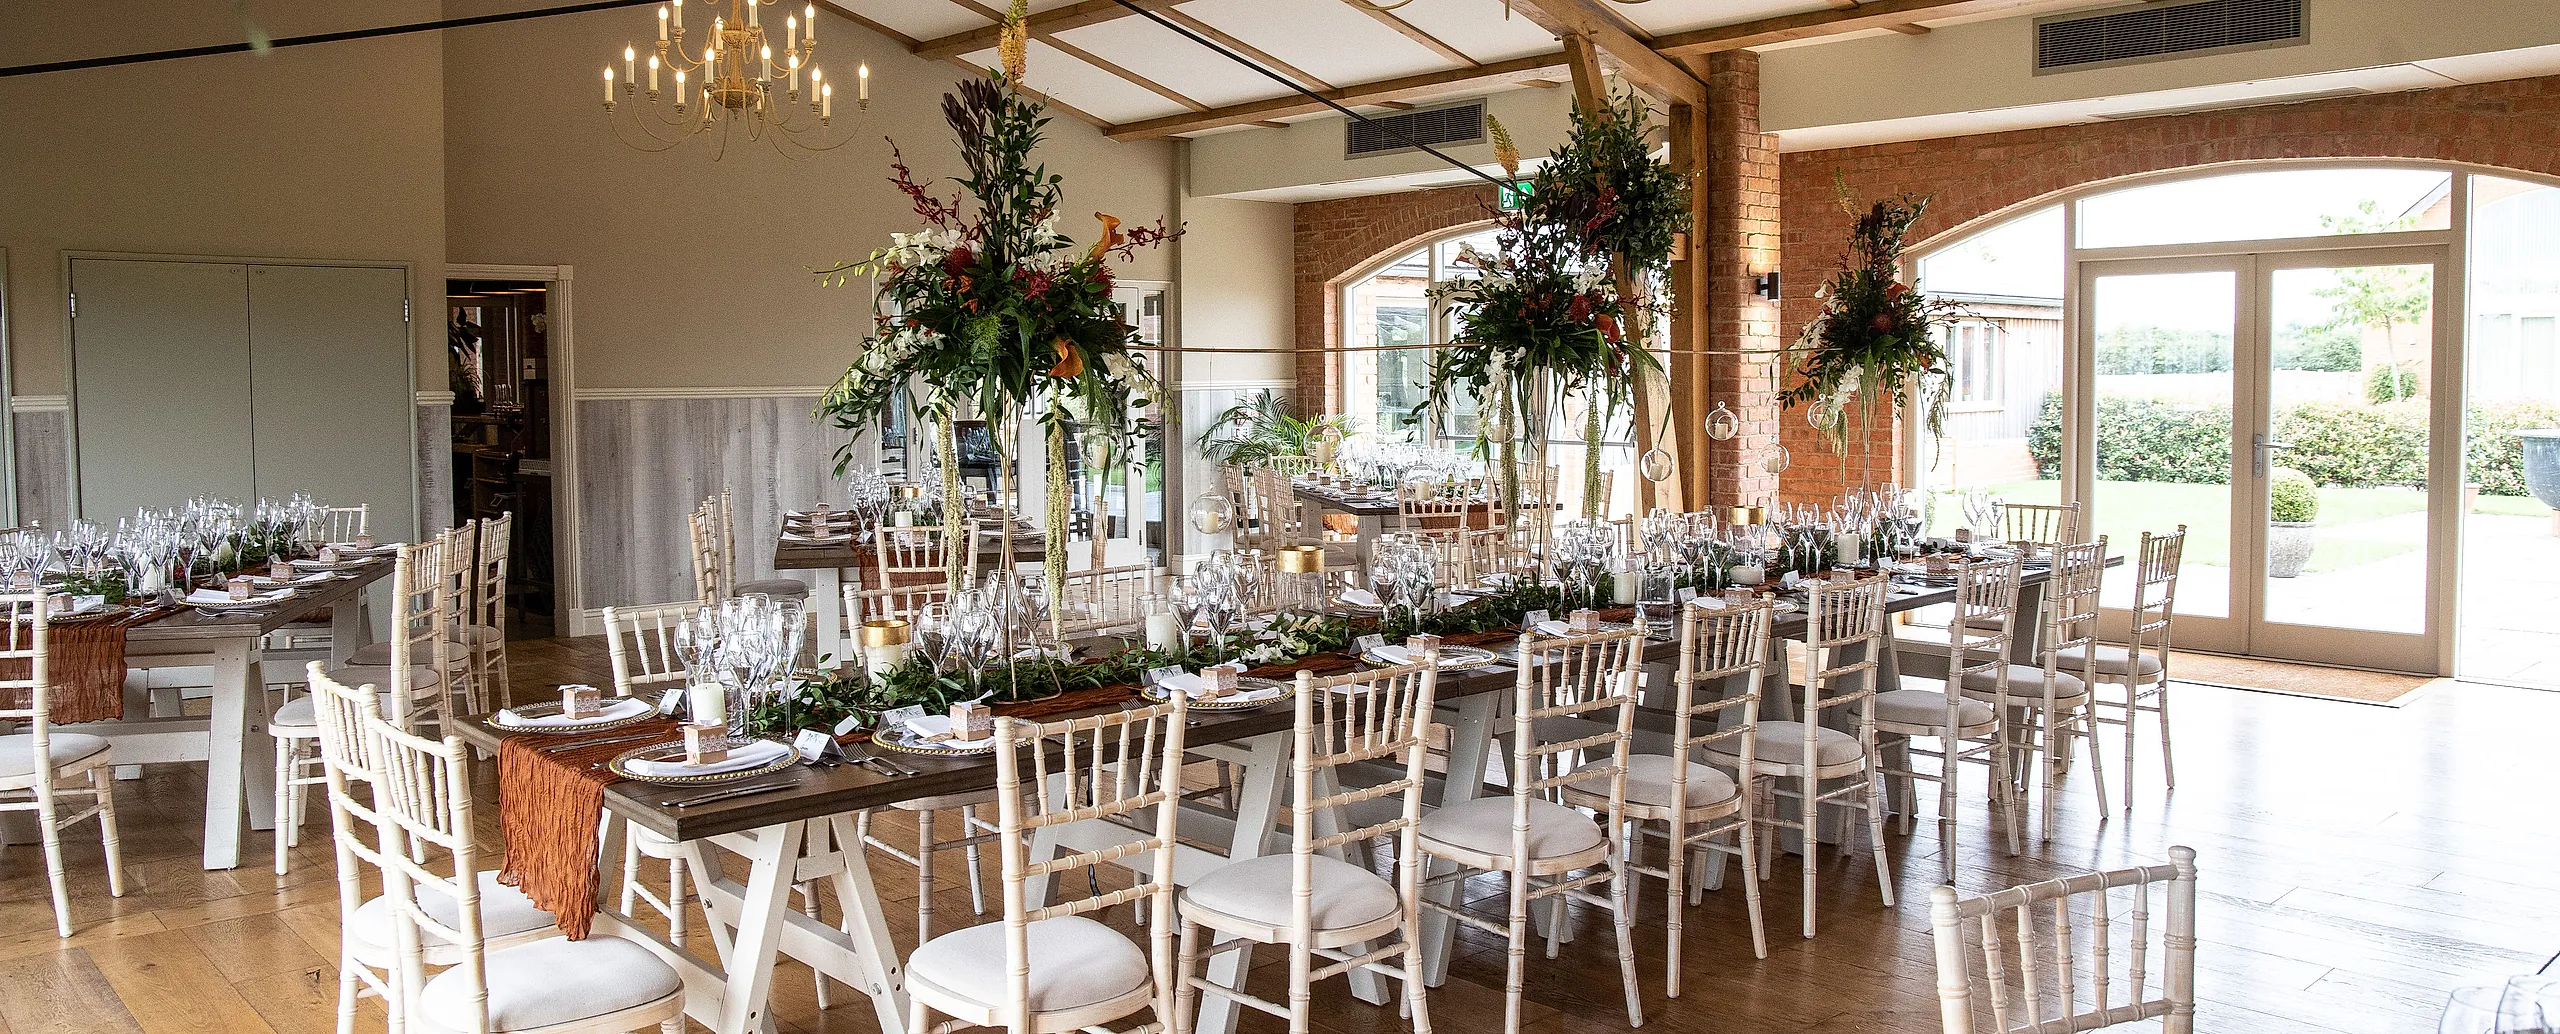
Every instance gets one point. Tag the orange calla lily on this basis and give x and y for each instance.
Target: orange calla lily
(1111, 236)
(1070, 362)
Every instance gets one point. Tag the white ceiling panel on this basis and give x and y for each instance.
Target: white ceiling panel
(1084, 87)
(1172, 61)
(921, 19)
(1326, 38)
(1479, 29)
(1663, 17)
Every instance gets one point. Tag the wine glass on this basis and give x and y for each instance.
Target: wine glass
(2492, 1009)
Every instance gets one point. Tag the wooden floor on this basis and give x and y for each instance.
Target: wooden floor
(2358, 862)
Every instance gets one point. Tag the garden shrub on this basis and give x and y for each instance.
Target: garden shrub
(2493, 457)
(2143, 439)
(2334, 443)
(2392, 382)
(2357, 446)
(2292, 498)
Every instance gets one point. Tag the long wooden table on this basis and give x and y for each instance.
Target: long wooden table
(1374, 513)
(840, 561)
(239, 780)
(753, 925)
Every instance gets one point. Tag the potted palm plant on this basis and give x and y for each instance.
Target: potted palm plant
(2293, 504)
(1254, 431)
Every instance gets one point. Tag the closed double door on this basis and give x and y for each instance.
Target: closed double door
(242, 381)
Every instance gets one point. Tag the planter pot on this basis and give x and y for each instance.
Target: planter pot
(2288, 547)
(2542, 464)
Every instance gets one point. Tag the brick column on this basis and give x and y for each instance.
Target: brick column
(1740, 240)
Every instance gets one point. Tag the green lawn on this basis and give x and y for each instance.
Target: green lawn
(2126, 509)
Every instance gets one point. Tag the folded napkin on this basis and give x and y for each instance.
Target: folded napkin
(1552, 627)
(1361, 598)
(1393, 655)
(1708, 603)
(1197, 686)
(756, 754)
(613, 711)
(794, 536)
(932, 725)
(218, 598)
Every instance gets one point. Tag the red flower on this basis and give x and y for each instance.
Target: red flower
(1883, 321)
(1895, 290)
(1608, 327)
(1580, 309)
(1037, 284)
(959, 259)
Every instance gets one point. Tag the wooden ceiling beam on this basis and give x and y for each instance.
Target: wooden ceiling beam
(1636, 58)
(1287, 105)
(1910, 30)
(1874, 14)
(1414, 32)
(1090, 58)
(1056, 19)
(1257, 54)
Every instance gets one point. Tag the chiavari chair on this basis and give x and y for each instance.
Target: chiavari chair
(484, 627)
(368, 960)
(2141, 663)
(1844, 632)
(1047, 968)
(2040, 524)
(1431, 508)
(1577, 682)
(2052, 1002)
(413, 665)
(430, 875)
(1977, 657)
(1694, 803)
(1316, 904)
(39, 766)
(1102, 599)
(2048, 706)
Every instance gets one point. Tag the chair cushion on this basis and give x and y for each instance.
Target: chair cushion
(1261, 890)
(1483, 827)
(1075, 962)
(1649, 782)
(504, 911)
(301, 714)
(2111, 660)
(379, 676)
(378, 655)
(1929, 707)
(553, 981)
(17, 753)
(778, 588)
(2026, 686)
(1782, 743)
(479, 635)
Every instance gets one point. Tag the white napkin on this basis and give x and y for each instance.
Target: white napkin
(1708, 603)
(1393, 655)
(613, 711)
(933, 725)
(752, 755)
(796, 536)
(1552, 627)
(218, 597)
(1360, 598)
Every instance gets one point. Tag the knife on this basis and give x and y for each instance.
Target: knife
(582, 744)
(743, 791)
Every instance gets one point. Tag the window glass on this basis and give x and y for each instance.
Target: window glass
(2269, 205)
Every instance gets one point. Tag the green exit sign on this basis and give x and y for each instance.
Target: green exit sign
(1515, 195)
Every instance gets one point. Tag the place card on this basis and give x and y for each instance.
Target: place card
(901, 716)
(1154, 676)
(814, 745)
(1533, 619)
(851, 724)
(1368, 643)
(669, 701)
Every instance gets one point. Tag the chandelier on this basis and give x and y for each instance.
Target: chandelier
(739, 82)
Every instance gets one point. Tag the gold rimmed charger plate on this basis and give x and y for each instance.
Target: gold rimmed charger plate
(1452, 658)
(672, 751)
(552, 708)
(1285, 691)
(905, 741)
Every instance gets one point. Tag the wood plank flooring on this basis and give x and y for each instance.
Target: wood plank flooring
(2358, 862)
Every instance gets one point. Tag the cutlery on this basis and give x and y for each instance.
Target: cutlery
(743, 791)
(583, 744)
(881, 765)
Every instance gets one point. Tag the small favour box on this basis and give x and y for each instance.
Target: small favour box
(580, 701)
(280, 570)
(364, 542)
(328, 554)
(1964, 535)
(705, 744)
(1582, 622)
(1939, 563)
(972, 721)
(1842, 575)
(1222, 680)
(1422, 645)
(240, 588)
(1738, 595)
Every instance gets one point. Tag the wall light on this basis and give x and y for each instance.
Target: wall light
(1766, 285)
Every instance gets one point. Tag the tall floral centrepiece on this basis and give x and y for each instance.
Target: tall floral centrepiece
(1876, 337)
(1566, 301)
(994, 310)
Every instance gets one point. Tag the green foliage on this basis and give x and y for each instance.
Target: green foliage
(1876, 336)
(2138, 350)
(2292, 498)
(108, 583)
(2392, 382)
(1259, 428)
(2320, 349)
(2335, 444)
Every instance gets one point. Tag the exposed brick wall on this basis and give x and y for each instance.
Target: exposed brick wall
(1975, 181)
(1741, 238)
(1335, 239)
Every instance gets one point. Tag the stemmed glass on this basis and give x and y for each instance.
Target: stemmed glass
(2511, 1008)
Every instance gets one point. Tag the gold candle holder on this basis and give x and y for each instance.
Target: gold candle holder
(1302, 560)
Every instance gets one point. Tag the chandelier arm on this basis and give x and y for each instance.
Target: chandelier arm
(661, 144)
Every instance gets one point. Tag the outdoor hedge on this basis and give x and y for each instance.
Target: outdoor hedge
(2346, 445)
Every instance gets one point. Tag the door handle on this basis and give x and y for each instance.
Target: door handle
(2265, 446)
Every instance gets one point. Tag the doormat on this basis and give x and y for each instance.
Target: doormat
(2371, 687)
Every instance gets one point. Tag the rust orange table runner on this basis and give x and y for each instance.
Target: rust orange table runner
(86, 667)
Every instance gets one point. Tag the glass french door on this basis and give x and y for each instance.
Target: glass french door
(2284, 406)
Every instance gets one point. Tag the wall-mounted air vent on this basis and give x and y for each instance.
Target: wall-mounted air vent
(2162, 31)
(1400, 132)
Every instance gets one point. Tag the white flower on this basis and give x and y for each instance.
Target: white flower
(1849, 380)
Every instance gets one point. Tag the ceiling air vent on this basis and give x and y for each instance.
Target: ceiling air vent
(1402, 131)
(2161, 31)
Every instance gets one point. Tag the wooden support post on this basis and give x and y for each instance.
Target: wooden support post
(1650, 394)
(1687, 440)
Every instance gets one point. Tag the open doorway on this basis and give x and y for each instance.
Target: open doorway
(498, 336)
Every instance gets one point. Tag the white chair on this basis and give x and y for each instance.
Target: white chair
(641, 644)
(1977, 658)
(412, 664)
(1103, 599)
(1695, 803)
(344, 523)
(1047, 969)
(422, 797)
(713, 527)
(2141, 663)
(2047, 707)
(483, 632)
(1579, 682)
(2109, 1002)
(2040, 524)
(368, 958)
(36, 764)
(1844, 632)
(1289, 521)
(909, 556)
(1432, 508)
(1319, 905)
